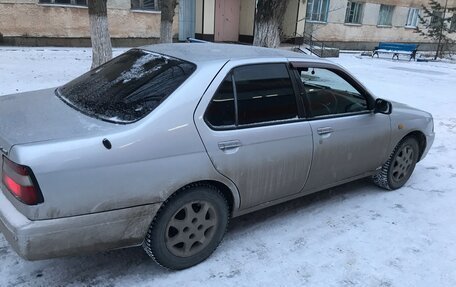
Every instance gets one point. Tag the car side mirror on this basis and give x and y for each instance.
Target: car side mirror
(383, 107)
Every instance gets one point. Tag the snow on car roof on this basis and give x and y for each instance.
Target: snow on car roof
(203, 52)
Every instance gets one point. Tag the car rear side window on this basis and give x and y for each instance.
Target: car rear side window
(262, 93)
(221, 110)
(127, 88)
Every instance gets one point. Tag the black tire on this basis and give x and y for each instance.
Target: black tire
(399, 167)
(188, 227)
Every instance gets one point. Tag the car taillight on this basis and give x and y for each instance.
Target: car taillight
(19, 180)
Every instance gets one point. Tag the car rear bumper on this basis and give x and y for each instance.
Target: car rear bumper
(43, 239)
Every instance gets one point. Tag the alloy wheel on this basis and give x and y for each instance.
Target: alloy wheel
(191, 228)
(402, 163)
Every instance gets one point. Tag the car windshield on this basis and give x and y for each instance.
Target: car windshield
(128, 87)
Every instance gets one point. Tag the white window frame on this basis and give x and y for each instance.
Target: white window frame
(412, 18)
(354, 12)
(317, 11)
(385, 15)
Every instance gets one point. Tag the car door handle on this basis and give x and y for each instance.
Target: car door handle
(325, 130)
(224, 146)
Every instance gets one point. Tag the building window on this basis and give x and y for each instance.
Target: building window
(150, 5)
(436, 19)
(65, 2)
(385, 17)
(354, 13)
(317, 10)
(453, 23)
(412, 17)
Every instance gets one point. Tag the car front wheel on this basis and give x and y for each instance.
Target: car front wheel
(188, 227)
(399, 167)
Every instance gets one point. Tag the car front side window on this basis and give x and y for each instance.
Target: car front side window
(330, 94)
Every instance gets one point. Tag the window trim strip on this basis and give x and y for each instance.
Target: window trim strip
(236, 110)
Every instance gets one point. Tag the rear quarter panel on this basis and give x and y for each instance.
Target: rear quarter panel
(147, 163)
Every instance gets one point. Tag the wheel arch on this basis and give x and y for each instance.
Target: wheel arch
(421, 138)
(231, 196)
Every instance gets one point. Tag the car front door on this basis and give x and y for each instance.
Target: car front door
(350, 140)
(255, 132)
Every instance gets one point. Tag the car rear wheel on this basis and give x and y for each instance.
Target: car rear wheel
(188, 227)
(399, 167)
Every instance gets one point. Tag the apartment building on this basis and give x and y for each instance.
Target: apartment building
(356, 24)
(347, 24)
(66, 22)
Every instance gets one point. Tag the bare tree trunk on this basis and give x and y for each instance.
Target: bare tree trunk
(267, 34)
(439, 52)
(99, 32)
(268, 21)
(167, 8)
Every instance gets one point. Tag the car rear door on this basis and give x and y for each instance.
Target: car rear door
(254, 131)
(350, 140)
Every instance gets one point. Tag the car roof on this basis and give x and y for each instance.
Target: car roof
(205, 52)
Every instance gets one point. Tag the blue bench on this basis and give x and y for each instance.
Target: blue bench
(396, 49)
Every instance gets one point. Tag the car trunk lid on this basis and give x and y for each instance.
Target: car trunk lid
(41, 116)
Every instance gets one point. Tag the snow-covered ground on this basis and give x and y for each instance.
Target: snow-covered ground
(353, 235)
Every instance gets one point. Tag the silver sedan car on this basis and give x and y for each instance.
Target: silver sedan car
(162, 145)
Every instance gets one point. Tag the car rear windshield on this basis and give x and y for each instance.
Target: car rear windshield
(128, 87)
